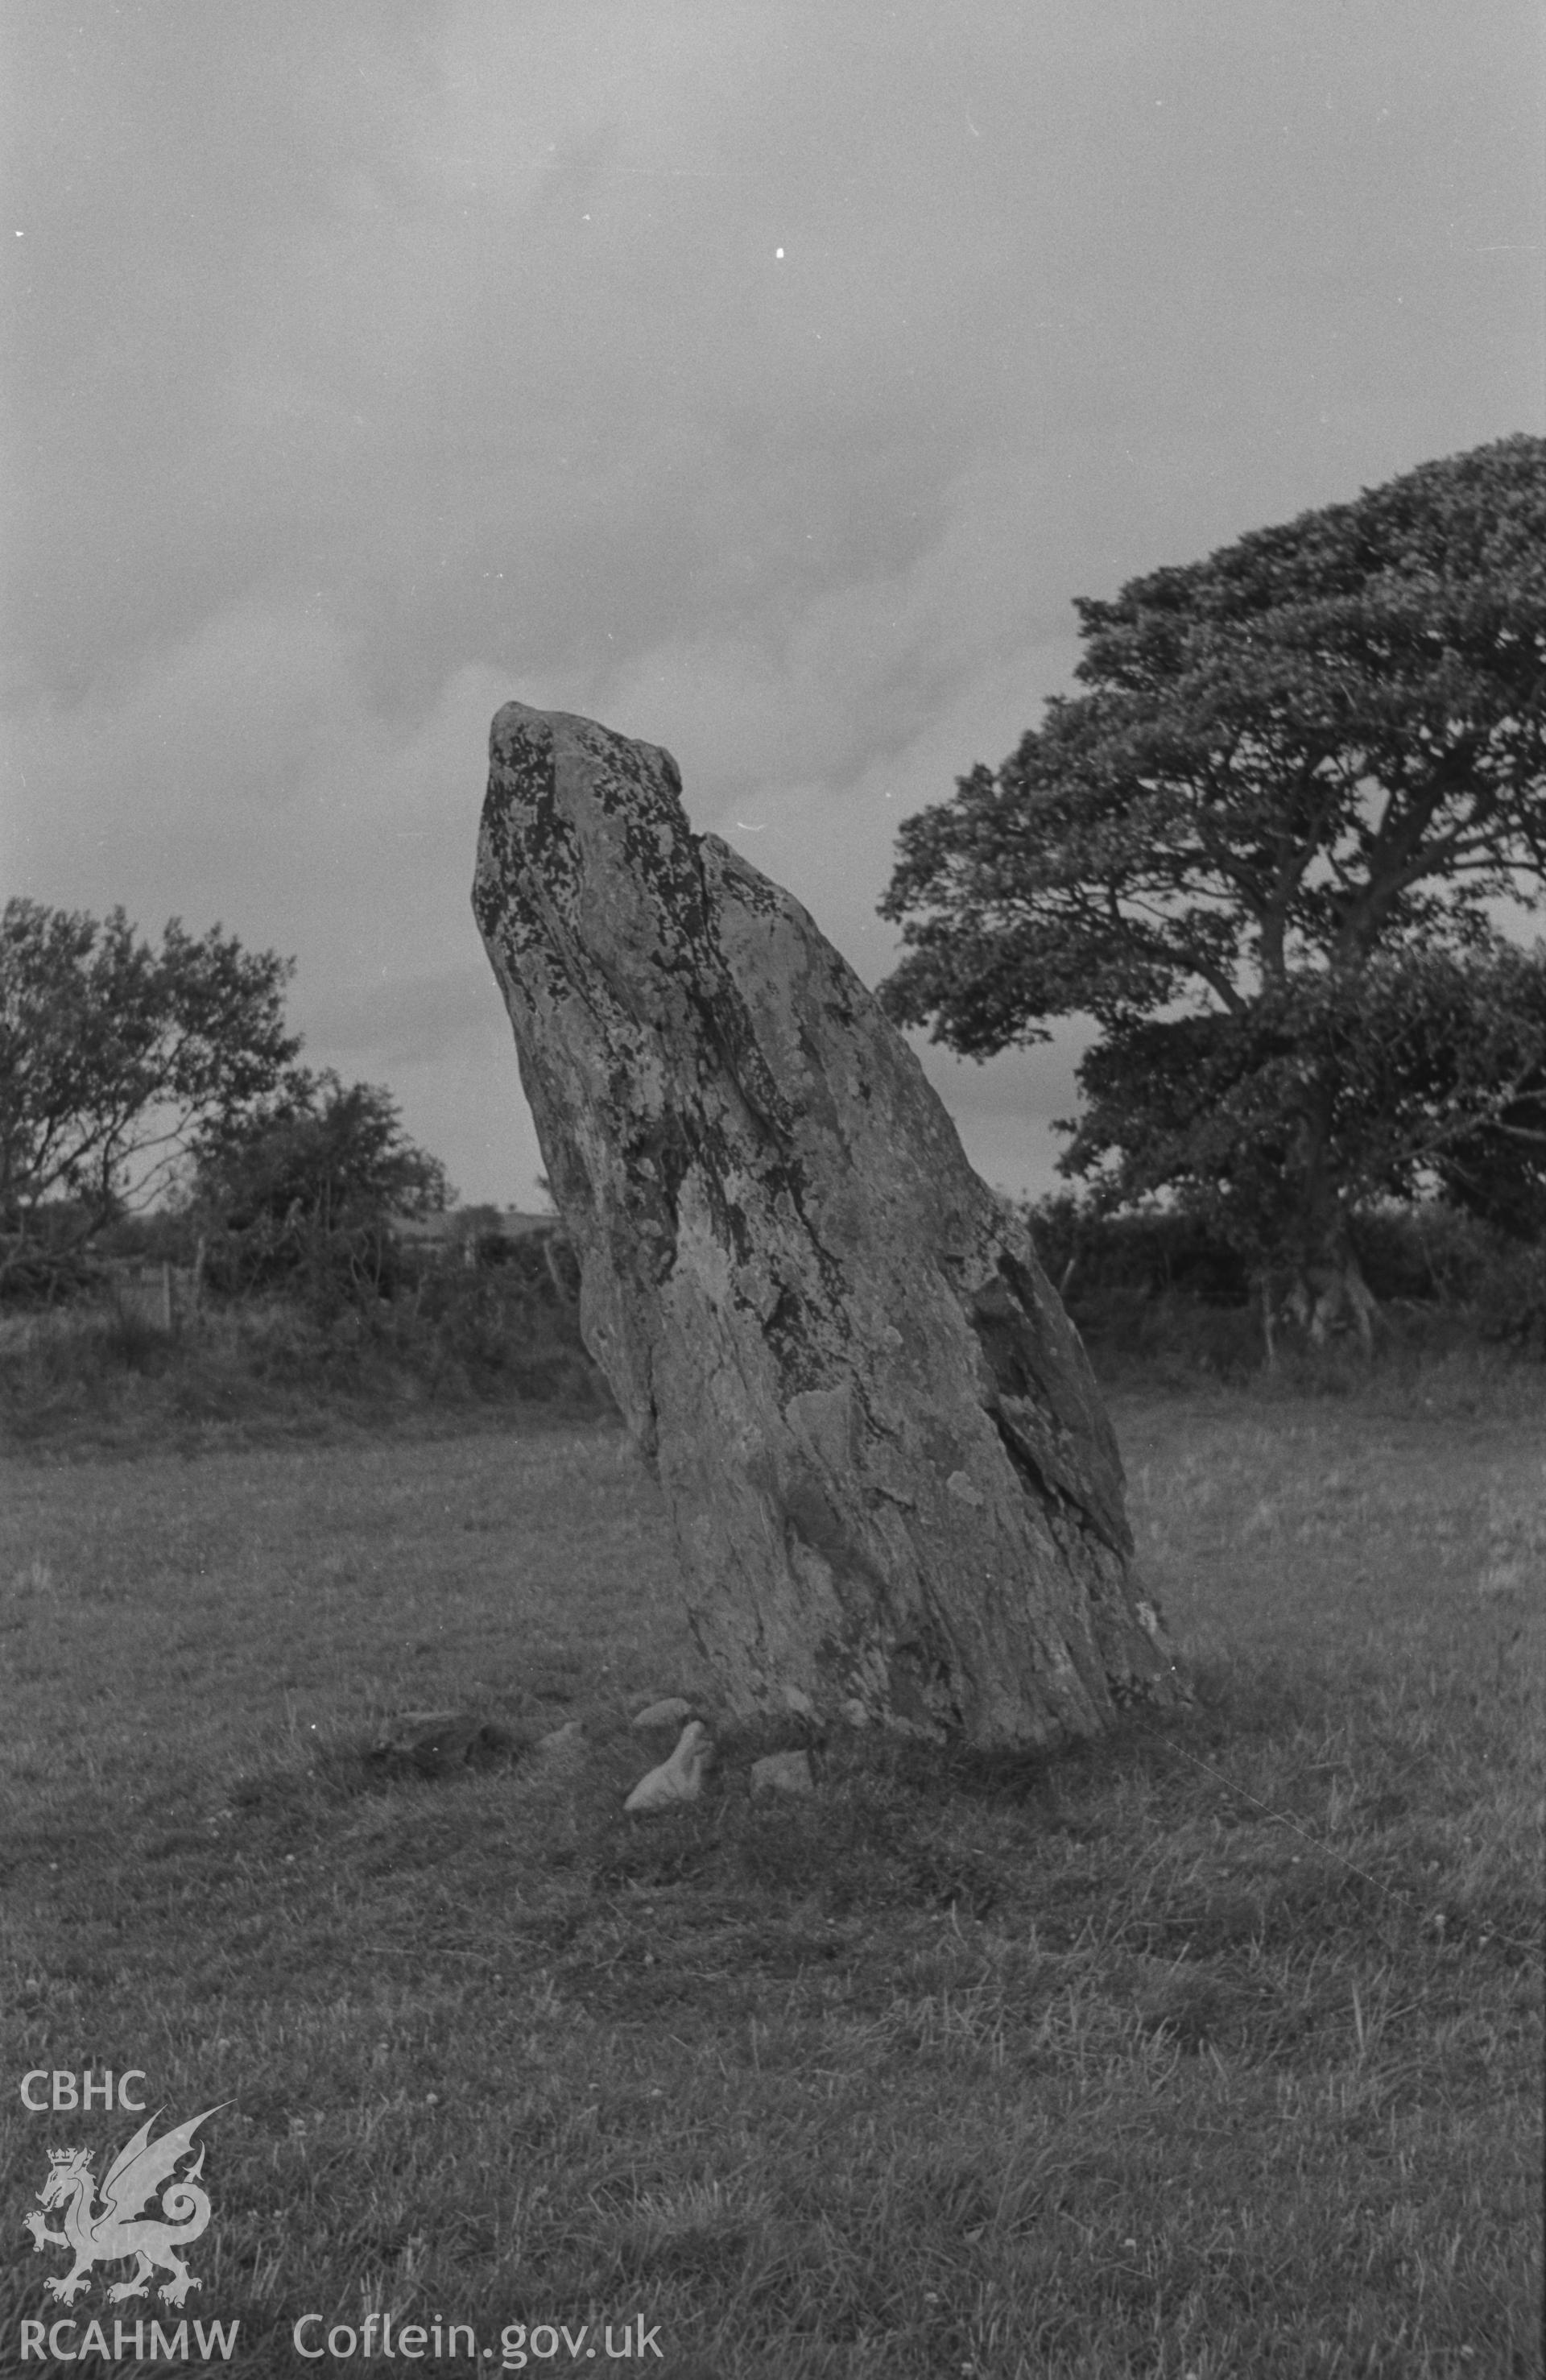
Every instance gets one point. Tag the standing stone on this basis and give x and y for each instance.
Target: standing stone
(894, 1487)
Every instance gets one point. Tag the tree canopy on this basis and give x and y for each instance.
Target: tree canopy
(113, 1055)
(1496, 1169)
(1259, 852)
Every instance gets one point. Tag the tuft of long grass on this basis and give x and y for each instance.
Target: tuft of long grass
(1212, 2049)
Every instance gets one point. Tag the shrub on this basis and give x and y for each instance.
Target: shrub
(1155, 1287)
(456, 1338)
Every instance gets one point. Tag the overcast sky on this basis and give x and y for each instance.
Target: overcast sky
(762, 377)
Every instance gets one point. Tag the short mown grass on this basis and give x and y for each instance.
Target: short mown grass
(1213, 2050)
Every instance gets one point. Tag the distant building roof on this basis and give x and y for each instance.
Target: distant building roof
(514, 1225)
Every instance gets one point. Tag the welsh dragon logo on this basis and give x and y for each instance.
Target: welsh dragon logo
(120, 2229)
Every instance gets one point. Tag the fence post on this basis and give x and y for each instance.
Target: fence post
(166, 1298)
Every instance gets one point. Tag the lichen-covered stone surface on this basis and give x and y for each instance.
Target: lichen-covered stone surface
(893, 1484)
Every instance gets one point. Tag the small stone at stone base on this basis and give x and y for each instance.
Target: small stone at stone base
(679, 1778)
(670, 1713)
(783, 1772)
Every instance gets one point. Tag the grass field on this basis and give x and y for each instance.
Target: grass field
(1215, 2052)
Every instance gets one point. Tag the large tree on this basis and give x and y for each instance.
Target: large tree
(113, 1055)
(1259, 852)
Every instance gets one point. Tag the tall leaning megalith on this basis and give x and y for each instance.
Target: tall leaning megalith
(894, 1487)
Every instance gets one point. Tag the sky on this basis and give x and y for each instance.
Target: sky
(764, 378)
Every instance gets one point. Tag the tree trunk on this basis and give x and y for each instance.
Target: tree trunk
(1326, 1282)
(894, 1489)
(1269, 1316)
(1323, 1293)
